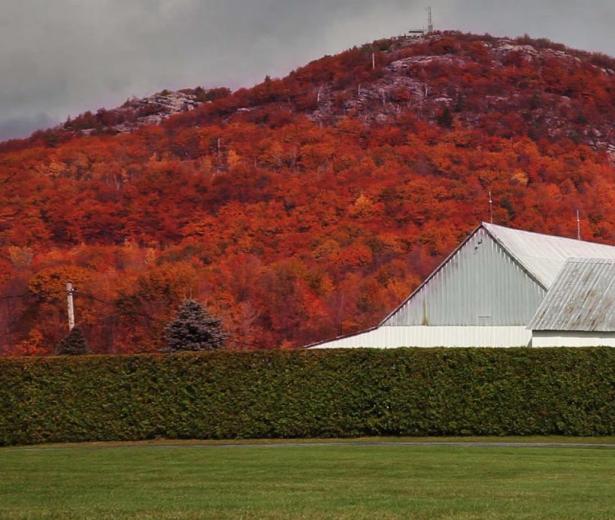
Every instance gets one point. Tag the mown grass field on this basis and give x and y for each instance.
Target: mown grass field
(347, 481)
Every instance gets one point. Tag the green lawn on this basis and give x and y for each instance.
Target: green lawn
(306, 482)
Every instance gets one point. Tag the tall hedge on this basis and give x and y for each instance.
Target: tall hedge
(335, 393)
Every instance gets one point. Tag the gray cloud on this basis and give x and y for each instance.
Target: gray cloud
(61, 57)
(24, 125)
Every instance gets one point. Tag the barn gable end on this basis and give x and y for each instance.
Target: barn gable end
(480, 284)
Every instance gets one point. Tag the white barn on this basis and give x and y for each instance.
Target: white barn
(503, 287)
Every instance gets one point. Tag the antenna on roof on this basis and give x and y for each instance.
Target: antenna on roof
(429, 21)
(578, 226)
(490, 207)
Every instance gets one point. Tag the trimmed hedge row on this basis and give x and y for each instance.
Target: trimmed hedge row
(337, 393)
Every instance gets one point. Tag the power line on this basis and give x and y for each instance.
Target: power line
(14, 296)
(113, 304)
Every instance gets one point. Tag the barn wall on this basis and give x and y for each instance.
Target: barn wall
(572, 339)
(481, 285)
(435, 336)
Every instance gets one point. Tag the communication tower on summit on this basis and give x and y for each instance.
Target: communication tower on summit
(417, 33)
(429, 21)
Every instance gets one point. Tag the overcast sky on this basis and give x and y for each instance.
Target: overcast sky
(62, 57)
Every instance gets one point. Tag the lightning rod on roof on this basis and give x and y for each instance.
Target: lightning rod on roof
(578, 226)
(490, 207)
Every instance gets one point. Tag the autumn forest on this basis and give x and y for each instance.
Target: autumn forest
(305, 207)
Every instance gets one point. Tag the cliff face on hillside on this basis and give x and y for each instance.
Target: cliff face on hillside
(138, 112)
(541, 91)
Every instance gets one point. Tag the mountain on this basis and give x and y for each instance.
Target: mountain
(304, 207)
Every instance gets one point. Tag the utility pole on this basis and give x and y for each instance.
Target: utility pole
(429, 21)
(373, 60)
(71, 307)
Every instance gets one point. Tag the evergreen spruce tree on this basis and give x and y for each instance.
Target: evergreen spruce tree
(74, 344)
(194, 329)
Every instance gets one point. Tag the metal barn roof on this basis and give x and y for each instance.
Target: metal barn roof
(582, 298)
(544, 256)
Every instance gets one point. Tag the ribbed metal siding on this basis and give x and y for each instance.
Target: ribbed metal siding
(542, 339)
(480, 285)
(581, 299)
(394, 337)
